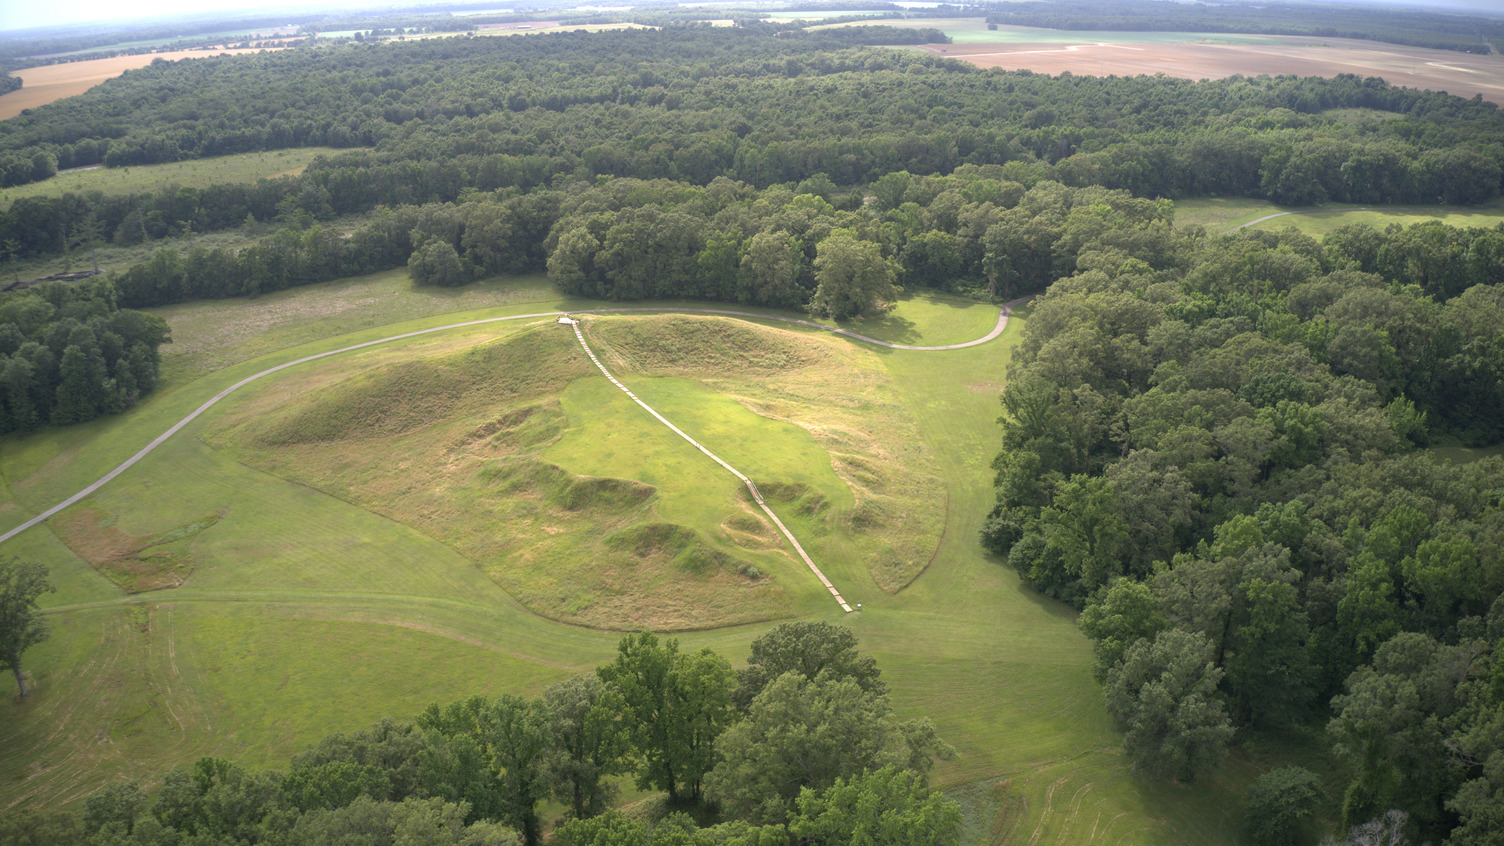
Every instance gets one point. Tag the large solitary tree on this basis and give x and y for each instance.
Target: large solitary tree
(21, 623)
(852, 276)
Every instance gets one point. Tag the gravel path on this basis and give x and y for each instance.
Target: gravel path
(1002, 321)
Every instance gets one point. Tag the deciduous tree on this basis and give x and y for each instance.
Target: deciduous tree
(22, 625)
(1164, 694)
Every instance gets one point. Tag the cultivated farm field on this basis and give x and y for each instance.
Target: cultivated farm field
(315, 594)
(1213, 56)
(46, 83)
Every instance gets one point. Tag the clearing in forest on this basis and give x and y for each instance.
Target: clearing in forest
(610, 521)
(194, 173)
(1221, 215)
(333, 563)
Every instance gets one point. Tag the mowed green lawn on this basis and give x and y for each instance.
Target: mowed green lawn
(307, 614)
(1221, 215)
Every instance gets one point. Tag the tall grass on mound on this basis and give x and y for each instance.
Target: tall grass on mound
(413, 394)
(672, 343)
(451, 444)
(840, 394)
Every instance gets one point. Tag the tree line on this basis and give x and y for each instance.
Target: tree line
(764, 108)
(1214, 447)
(975, 231)
(802, 746)
(69, 353)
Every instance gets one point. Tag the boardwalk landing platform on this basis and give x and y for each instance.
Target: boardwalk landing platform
(751, 486)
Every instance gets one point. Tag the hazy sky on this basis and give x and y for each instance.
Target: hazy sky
(20, 14)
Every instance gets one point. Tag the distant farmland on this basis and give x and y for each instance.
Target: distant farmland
(1218, 56)
(1201, 55)
(44, 84)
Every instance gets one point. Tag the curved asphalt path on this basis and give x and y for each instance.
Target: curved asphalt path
(1319, 211)
(1002, 323)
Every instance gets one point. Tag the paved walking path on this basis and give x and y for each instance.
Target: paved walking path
(1002, 321)
(751, 487)
(1319, 211)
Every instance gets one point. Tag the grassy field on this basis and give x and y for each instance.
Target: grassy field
(1226, 214)
(1466, 455)
(119, 258)
(198, 173)
(297, 597)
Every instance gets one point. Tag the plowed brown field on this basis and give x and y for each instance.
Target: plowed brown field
(44, 84)
(1462, 74)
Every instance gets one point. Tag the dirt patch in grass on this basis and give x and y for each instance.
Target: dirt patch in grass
(135, 563)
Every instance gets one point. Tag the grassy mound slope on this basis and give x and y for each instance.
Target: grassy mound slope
(889, 515)
(299, 599)
(409, 395)
(457, 443)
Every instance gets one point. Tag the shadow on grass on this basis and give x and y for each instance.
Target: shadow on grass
(896, 329)
(889, 327)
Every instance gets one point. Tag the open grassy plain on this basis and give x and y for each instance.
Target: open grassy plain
(195, 173)
(1201, 55)
(309, 601)
(45, 83)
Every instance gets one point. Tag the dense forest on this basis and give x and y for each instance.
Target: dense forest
(1211, 445)
(454, 119)
(802, 745)
(1409, 26)
(767, 108)
(68, 354)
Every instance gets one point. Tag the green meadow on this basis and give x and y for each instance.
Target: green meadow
(341, 554)
(1221, 215)
(195, 173)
